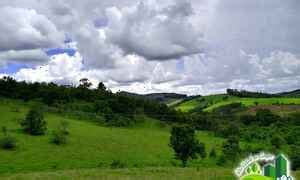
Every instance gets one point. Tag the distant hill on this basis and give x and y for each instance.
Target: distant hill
(287, 101)
(295, 93)
(167, 98)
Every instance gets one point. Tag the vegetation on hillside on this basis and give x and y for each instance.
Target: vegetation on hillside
(107, 130)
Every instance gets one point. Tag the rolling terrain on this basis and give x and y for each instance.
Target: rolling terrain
(209, 103)
(91, 146)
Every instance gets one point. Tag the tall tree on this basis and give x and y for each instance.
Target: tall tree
(184, 143)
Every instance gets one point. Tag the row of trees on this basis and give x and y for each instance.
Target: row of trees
(118, 109)
(244, 93)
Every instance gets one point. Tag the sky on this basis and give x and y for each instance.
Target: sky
(148, 46)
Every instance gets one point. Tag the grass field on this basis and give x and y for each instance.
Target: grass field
(143, 151)
(165, 173)
(91, 145)
(214, 101)
(130, 174)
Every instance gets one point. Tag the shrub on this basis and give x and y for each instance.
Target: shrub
(117, 164)
(295, 157)
(59, 136)
(277, 141)
(221, 160)
(7, 142)
(34, 122)
(212, 153)
(231, 148)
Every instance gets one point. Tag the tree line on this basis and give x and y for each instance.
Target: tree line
(118, 109)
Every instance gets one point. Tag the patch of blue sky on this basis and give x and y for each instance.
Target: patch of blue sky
(55, 51)
(180, 65)
(11, 68)
(100, 22)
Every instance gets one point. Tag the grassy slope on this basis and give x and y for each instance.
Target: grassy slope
(215, 101)
(90, 145)
(144, 149)
(131, 174)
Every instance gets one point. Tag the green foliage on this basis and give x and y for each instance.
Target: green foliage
(221, 160)
(213, 153)
(243, 93)
(229, 109)
(265, 117)
(231, 148)
(185, 144)
(34, 122)
(60, 136)
(295, 157)
(277, 141)
(7, 142)
(117, 164)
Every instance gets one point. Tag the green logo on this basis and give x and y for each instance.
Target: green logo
(264, 166)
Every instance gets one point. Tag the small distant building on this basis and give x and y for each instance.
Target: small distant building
(269, 171)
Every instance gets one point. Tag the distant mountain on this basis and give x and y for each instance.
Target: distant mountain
(160, 97)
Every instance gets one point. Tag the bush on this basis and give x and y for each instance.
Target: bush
(221, 160)
(295, 157)
(117, 164)
(212, 153)
(59, 136)
(118, 120)
(231, 148)
(34, 122)
(8, 143)
(277, 141)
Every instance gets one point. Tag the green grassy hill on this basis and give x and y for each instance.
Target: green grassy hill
(91, 145)
(142, 150)
(209, 103)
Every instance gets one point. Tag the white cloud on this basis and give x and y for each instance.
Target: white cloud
(154, 32)
(35, 56)
(199, 46)
(23, 29)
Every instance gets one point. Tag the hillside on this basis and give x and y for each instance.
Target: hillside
(168, 98)
(90, 145)
(209, 103)
(295, 93)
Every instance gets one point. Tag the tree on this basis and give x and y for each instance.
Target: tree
(34, 122)
(231, 148)
(277, 141)
(184, 143)
(295, 157)
(265, 117)
(101, 87)
(85, 83)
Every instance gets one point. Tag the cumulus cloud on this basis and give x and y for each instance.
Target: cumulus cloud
(186, 46)
(23, 29)
(35, 56)
(155, 32)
